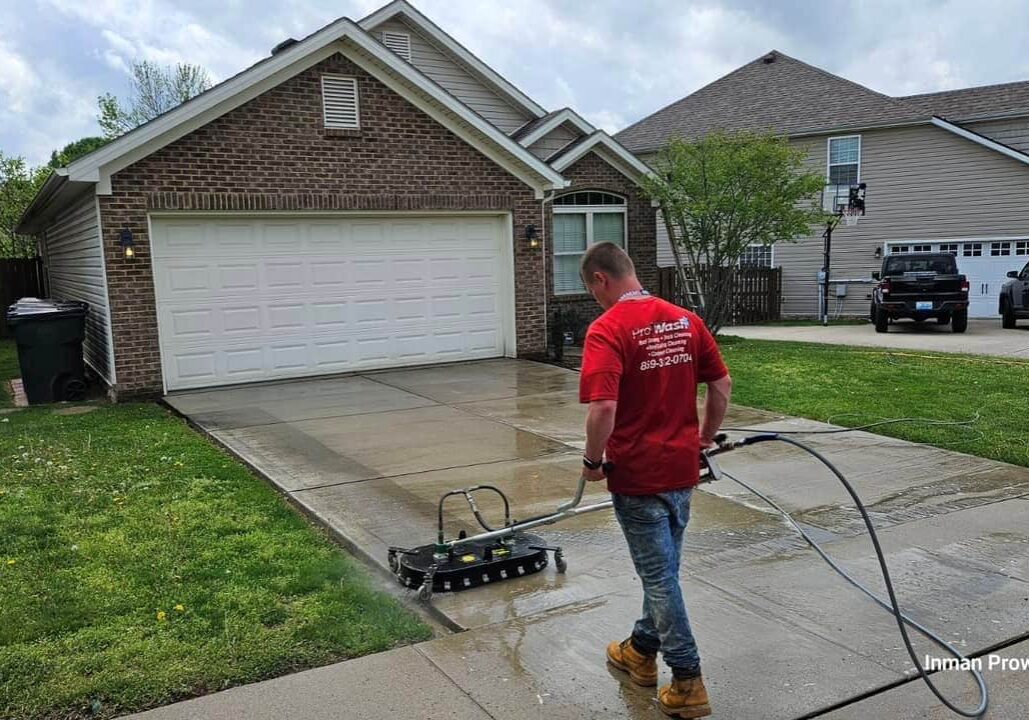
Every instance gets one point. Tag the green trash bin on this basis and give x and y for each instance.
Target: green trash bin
(49, 336)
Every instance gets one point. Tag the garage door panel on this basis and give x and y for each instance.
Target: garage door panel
(285, 275)
(246, 310)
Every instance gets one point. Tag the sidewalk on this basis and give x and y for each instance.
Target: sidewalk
(983, 337)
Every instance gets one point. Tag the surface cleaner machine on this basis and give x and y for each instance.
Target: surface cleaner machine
(511, 551)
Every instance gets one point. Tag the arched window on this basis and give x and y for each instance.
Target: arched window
(581, 219)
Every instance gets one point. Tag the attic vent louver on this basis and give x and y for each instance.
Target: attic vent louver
(398, 42)
(769, 58)
(339, 101)
(288, 42)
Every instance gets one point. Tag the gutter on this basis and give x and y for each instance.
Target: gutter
(53, 185)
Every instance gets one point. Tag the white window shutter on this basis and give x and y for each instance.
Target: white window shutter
(339, 102)
(398, 42)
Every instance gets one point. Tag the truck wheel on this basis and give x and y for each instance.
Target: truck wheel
(1007, 315)
(943, 320)
(960, 321)
(882, 321)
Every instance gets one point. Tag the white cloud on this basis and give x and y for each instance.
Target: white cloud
(18, 82)
(613, 61)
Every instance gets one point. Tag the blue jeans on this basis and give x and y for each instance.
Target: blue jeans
(654, 526)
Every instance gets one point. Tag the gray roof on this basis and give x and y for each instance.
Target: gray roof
(968, 103)
(774, 93)
(533, 124)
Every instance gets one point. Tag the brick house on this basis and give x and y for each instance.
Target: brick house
(370, 196)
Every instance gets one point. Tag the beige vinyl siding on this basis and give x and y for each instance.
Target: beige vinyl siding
(456, 79)
(75, 269)
(924, 183)
(554, 140)
(1013, 132)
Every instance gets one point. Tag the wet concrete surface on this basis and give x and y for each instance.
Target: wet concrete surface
(781, 636)
(1009, 693)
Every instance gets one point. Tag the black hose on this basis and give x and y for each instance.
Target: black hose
(893, 606)
(892, 421)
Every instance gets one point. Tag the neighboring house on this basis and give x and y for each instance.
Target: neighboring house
(371, 196)
(945, 171)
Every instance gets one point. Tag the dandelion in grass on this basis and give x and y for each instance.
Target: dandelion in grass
(161, 616)
(180, 607)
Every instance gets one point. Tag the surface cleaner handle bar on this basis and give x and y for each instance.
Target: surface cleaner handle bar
(720, 440)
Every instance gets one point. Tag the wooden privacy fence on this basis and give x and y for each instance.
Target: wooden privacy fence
(755, 292)
(19, 277)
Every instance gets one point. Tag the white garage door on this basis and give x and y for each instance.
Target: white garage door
(984, 262)
(241, 299)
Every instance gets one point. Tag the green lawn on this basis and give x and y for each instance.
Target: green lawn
(139, 565)
(852, 386)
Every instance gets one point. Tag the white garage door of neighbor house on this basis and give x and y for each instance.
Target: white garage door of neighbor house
(984, 262)
(243, 299)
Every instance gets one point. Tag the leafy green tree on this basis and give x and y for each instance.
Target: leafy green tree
(723, 193)
(155, 90)
(19, 183)
(74, 150)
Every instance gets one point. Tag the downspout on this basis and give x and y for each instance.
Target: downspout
(547, 197)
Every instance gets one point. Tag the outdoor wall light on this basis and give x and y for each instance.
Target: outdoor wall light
(531, 236)
(878, 252)
(128, 245)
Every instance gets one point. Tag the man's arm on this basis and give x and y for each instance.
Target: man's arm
(600, 422)
(715, 405)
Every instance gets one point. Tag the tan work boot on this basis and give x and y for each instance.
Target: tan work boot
(685, 698)
(642, 668)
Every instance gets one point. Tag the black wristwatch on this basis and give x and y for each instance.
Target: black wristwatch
(592, 464)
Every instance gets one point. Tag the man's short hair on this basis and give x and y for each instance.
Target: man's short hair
(606, 257)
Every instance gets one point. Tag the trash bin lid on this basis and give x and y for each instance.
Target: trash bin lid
(45, 309)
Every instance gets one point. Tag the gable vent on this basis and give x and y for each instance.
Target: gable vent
(398, 42)
(339, 101)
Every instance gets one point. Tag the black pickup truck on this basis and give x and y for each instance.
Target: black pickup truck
(920, 286)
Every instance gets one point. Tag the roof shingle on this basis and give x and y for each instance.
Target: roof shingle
(774, 93)
(975, 102)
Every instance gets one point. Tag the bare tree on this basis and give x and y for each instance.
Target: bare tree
(155, 90)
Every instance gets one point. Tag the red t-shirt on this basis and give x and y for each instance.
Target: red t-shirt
(649, 355)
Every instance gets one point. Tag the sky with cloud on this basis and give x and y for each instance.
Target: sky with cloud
(614, 61)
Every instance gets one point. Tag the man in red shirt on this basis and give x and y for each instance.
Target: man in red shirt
(641, 365)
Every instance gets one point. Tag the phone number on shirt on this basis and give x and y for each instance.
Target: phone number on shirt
(666, 361)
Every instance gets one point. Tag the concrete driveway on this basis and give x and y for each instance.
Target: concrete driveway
(781, 637)
(983, 337)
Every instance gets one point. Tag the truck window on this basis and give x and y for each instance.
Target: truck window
(937, 264)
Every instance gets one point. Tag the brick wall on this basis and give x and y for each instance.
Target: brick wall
(592, 172)
(272, 154)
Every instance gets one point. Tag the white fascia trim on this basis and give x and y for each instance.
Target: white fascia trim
(604, 140)
(566, 115)
(99, 166)
(401, 7)
(980, 140)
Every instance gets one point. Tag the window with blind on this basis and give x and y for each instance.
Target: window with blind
(340, 103)
(843, 170)
(757, 256)
(582, 219)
